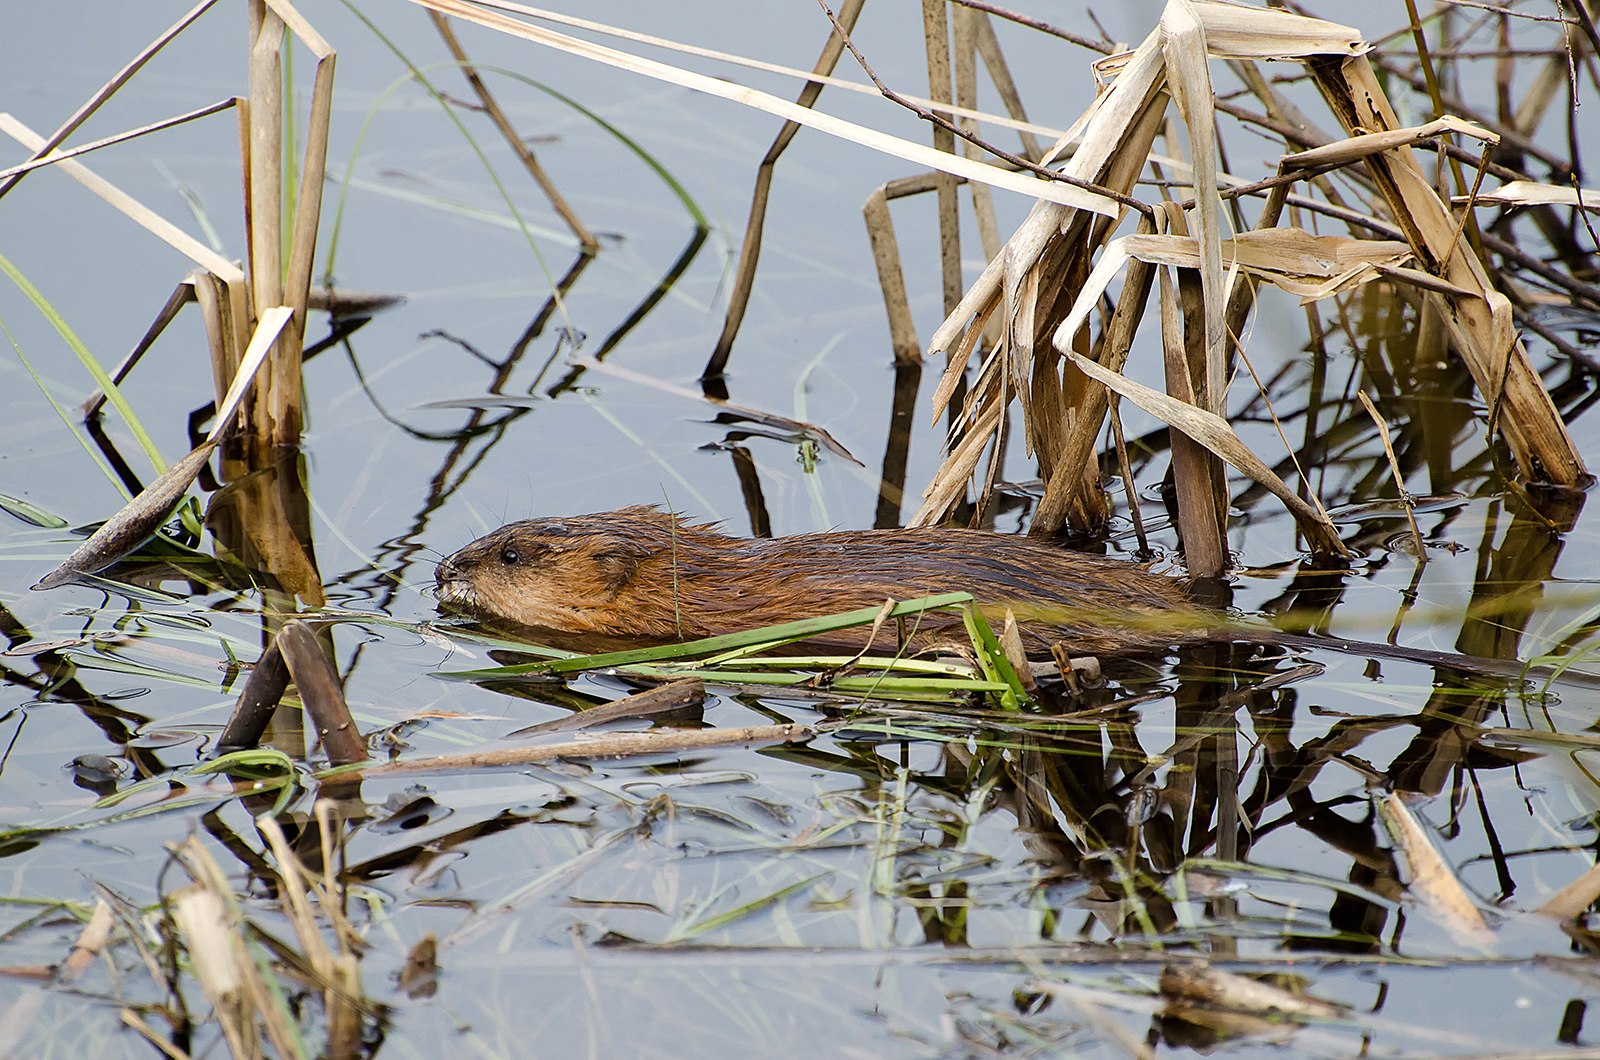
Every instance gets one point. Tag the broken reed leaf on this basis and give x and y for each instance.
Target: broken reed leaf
(90, 943)
(1432, 882)
(135, 521)
(782, 633)
(1236, 31)
(1105, 129)
(1214, 433)
(1355, 148)
(1031, 186)
(1479, 327)
(1288, 258)
(1532, 193)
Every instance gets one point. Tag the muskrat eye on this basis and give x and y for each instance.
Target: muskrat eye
(510, 556)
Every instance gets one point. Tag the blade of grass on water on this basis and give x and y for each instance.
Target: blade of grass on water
(782, 633)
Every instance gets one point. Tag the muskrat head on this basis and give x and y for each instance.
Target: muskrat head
(542, 572)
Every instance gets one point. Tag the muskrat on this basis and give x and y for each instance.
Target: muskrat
(640, 574)
(644, 574)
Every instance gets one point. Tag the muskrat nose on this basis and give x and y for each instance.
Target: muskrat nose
(446, 571)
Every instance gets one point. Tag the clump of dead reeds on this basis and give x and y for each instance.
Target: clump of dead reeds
(1048, 328)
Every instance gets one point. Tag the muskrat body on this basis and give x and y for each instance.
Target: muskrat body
(643, 574)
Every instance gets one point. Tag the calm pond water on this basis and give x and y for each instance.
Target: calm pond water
(918, 880)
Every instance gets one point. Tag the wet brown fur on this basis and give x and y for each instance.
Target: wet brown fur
(640, 573)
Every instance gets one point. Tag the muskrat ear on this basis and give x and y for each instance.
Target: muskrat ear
(619, 561)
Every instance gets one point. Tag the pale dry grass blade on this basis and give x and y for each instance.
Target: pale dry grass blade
(90, 943)
(1033, 187)
(1356, 148)
(336, 970)
(1533, 193)
(1104, 136)
(1292, 259)
(949, 483)
(1239, 993)
(1013, 119)
(245, 1004)
(1406, 500)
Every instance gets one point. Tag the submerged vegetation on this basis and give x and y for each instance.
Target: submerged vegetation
(1305, 309)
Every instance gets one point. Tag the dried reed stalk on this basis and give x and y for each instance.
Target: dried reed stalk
(514, 140)
(274, 417)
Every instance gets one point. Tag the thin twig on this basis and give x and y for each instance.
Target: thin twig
(999, 152)
(1104, 47)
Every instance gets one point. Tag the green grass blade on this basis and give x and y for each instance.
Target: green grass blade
(31, 513)
(783, 633)
(102, 380)
(992, 658)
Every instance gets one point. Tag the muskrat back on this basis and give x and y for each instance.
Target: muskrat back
(641, 573)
